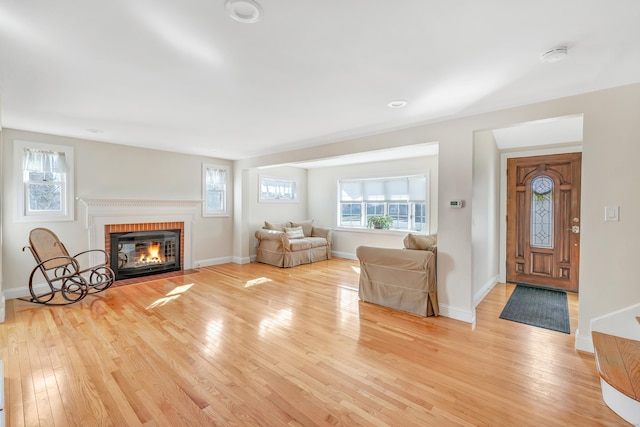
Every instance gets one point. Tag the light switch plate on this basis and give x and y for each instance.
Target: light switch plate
(612, 213)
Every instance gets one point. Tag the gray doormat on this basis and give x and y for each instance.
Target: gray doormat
(543, 308)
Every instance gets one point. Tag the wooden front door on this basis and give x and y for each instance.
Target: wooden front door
(543, 220)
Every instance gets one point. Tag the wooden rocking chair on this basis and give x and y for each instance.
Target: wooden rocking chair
(63, 272)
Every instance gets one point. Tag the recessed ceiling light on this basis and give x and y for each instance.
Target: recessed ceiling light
(245, 11)
(397, 104)
(555, 54)
(95, 130)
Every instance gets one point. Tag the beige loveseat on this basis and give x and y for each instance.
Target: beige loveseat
(403, 279)
(293, 243)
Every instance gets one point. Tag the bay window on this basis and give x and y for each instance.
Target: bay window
(403, 198)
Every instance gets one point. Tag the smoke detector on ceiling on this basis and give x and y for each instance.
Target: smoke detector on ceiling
(554, 55)
(245, 11)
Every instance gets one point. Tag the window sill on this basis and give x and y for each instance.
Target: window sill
(220, 215)
(43, 218)
(374, 231)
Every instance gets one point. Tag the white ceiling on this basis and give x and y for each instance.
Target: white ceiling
(183, 76)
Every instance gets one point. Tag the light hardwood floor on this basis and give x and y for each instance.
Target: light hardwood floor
(257, 345)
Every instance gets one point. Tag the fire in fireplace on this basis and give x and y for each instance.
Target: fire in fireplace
(142, 253)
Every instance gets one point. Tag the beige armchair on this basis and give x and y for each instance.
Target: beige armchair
(403, 279)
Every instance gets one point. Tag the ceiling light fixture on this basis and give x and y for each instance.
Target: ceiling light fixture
(397, 104)
(245, 11)
(554, 55)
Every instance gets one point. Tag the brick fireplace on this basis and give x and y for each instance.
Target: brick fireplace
(106, 216)
(112, 231)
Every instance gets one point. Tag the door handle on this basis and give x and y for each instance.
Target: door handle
(575, 229)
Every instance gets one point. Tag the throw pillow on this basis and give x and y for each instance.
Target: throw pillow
(276, 226)
(423, 243)
(294, 232)
(307, 226)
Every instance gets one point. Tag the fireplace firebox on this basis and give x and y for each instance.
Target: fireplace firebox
(142, 253)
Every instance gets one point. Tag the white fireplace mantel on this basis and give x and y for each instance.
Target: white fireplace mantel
(100, 212)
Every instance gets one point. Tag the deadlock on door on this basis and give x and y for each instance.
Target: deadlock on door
(576, 228)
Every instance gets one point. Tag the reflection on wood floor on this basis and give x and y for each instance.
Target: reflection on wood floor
(259, 345)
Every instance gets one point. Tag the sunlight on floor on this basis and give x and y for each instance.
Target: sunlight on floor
(349, 308)
(214, 336)
(282, 319)
(258, 281)
(180, 289)
(173, 294)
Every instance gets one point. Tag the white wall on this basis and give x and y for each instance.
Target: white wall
(611, 151)
(323, 200)
(485, 234)
(109, 171)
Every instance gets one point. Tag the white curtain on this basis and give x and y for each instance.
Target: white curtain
(216, 179)
(411, 188)
(374, 190)
(44, 161)
(396, 189)
(417, 188)
(351, 191)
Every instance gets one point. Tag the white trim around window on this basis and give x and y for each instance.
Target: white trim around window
(59, 164)
(216, 190)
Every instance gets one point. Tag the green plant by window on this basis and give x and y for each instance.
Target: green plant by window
(380, 222)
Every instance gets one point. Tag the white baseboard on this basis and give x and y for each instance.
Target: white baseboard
(484, 291)
(345, 255)
(241, 260)
(456, 313)
(584, 342)
(214, 261)
(224, 260)
(23, 291)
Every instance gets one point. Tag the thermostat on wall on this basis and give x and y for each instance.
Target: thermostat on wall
(455, 204)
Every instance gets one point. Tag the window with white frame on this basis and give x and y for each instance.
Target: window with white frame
(278, 189)
(215, 190)
(403, 198)
(44, 175)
